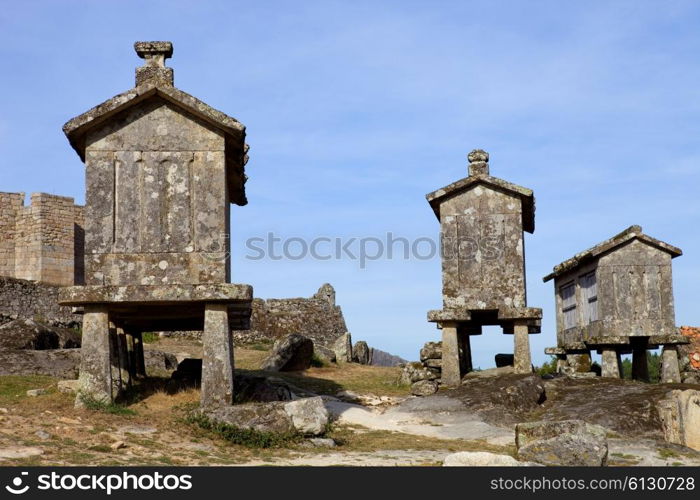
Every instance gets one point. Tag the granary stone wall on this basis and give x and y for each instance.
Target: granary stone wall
(31, 300)
(43, 240)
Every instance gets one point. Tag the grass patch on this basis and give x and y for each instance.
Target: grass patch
(245, 437)
(317, 361)
(101, 448)
(259, 347)
(667, 453)
(150, 337)
(90, 403)
(15, 387)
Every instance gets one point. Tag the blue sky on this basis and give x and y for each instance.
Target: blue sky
(356, 110)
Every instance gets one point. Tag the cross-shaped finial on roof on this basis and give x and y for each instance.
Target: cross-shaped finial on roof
(154, 70)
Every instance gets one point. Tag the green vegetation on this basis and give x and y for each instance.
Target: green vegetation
(15, 387)
(317, 361)
(244, 437)
(653, 362)
(150, 337)
(93, 404)
(547, 368)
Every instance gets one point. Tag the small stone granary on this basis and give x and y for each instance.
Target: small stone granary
(617, 298)
(482, 219)
(162, 169)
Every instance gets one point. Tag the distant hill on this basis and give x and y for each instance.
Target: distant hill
(381, 358)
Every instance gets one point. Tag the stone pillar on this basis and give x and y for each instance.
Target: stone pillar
(670, 369)
(451, 374)
(95, 379)
(124, 362)
(465, 351)
(640, 366)
(562, 363)
(217, 362)
(522, 363)
(139, 361)
(611, 363)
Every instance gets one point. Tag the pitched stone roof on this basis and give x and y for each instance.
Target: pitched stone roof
(155, 85)
(631, 233)
(436, 198)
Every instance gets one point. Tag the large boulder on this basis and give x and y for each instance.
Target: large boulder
(568, 442)
(481, 459)
(343, 348)
(527, 432)
(249, 388)
(567, 449)
(159, 361)
(61, 363)
(424, 388)
(414, 372)
(289, 354)
(431, 350)
(324, 353)
(24, 333)
(309, 415)
(304, 416)
(361, 353)
(680, 418)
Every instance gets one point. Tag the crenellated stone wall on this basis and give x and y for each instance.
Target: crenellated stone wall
(41, 241)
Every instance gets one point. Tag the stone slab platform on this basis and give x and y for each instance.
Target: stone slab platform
(154, 294)
(163, 307)
(504, 317)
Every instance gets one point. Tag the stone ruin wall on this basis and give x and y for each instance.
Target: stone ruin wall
(43, 240)
(316, 318)
(37, 301)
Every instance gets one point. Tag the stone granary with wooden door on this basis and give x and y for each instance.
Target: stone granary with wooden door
(617, 298)
(162, 169)
(482, 219)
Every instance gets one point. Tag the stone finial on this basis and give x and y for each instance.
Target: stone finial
(154, 70)
(478, 162)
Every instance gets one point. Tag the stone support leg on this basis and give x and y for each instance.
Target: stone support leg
(95, 379)
(139, 361)
(579, 363)
(217, 362)
(640, 366)
(670, 369)
(451, 374)
(522, 362)
(611, 364)
(124, 368)
(465, 351)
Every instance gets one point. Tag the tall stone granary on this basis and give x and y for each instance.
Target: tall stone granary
(162, 169)
(482, 219)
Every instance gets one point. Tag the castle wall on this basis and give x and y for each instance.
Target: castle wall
(38, 241)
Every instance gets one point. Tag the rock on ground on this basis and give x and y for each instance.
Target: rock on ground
(680, 417)
(424, 388)
(567, 450)
(306, 416)
(156, 360)
(324, 353)
(290, 353)
(480, 459)
(414, 372)
(343, 348)
(527, 432)
(309, 415)
(361, 353)
(431, 350)
(60, 363)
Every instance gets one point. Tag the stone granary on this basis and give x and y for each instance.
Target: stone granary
(162, 169)
(482, 219)
(617, 298)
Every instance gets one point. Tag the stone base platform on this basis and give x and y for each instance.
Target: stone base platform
(116, 316)
(612, 347)
(458, 325)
